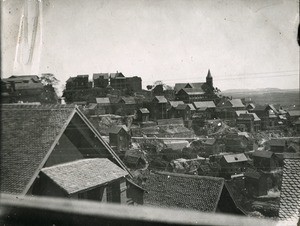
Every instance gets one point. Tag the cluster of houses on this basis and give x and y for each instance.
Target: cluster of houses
(26, 88)
(55, 150)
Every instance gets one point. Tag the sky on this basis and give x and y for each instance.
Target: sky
(245, 44)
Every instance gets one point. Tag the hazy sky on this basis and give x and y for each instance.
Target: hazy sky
(245, 44)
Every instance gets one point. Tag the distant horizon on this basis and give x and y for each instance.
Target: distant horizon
(245, 44)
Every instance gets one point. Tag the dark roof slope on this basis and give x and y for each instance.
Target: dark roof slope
(28, 132)
(290, 189)
(84, 174)
(116, 129)
(263, 154)
(183, 191)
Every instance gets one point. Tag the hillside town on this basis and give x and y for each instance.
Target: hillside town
(189, 146)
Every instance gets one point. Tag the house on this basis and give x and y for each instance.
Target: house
(183, 111)
(78, 82)
(256, 183)
(277, 145)
(265, 160)
(128, 105)
(293, 116)
(171, 111)
(200, 91)
(96, 179)
(268, 116)
(143, 115)
(289, 209)
(119, 137)
(205, 108)
(236, 143)
(36, 137)
(128, 84)
(226, 108)
(250, 107)
(249, 122)
(172, 190)
(233, 164)
(103, 105)
(101, 80)
(158, 108)
(134, 158)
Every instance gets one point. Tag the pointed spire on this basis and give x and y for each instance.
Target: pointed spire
(208, 74)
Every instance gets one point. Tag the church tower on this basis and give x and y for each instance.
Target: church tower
(209, 79)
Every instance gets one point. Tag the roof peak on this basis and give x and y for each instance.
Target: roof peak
(208, 74)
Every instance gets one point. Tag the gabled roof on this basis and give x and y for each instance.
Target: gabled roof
(175, 103)
(263, 154)
(192, 108)
(97, 75)
(117, 129)
(102, 100)
(192, 91)
(204, 104)
(116, 75)
(239, 112)
(176, 145)
(182, 107)
(195, 85)
(84, 174)
(235, 158)
(209, 141)
(250, 106)
(251, 173)
(127, 100)
(235, 103)
(144, 110)
(29, 135)
(294, 113)
(92, 106)
(290, 190)
(271, 106)
(277, 142)
(183, 191)
(160, 99)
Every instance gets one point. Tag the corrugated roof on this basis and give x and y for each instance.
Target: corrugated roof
(235, 158)
(84, 174)
(294, 113)
(192, 91)
(102, 100)
(192, 108)
(175, 103)
(204, 104)
(144, 110)
(183, 191)
(128, 100)
(236, 103)
(263, 154)
(290, 190)
(161, 99)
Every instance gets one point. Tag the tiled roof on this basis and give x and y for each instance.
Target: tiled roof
(235, 158)
(161, 99)
(102, 100)
(28, 131)
(83, 174)
(175, 103)
(204, 104)
(236, 103)
(290, 190)
(263, 154)
(183, 191)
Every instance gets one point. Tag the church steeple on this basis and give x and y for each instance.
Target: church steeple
(209, 79)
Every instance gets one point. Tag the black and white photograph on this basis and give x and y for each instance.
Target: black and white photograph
(150, 112)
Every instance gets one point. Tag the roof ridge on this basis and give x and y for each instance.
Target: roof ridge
(75, 161)
(37, 106)
(187, 175)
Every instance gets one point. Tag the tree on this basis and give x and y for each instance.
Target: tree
(49, 79)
